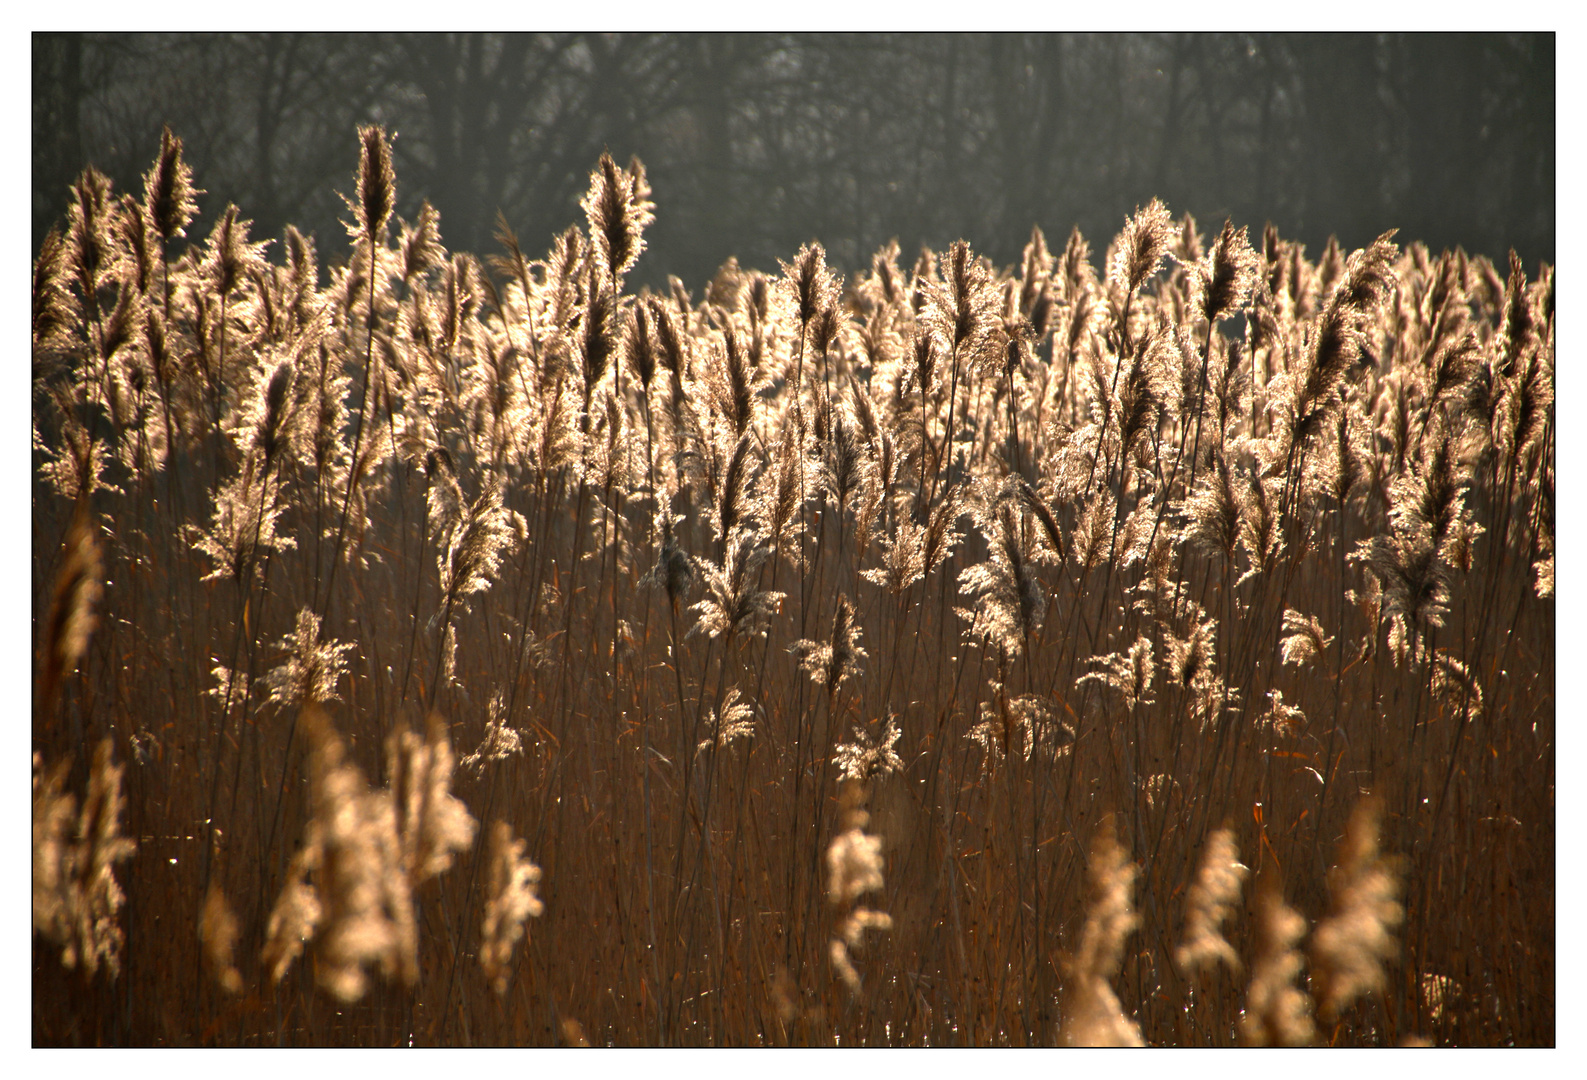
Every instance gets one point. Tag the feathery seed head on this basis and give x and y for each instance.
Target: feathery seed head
(1226, 275)
(1277, 1012)
(218, 932)
(1092, 1014)
(168, 190)
(1210, 901)
(642, 348)
(511, 900)
(1141, 247)
(618, 210)
(78, 586)
(231, 259)
(1350, 946)
(377, 184)
(809, 282)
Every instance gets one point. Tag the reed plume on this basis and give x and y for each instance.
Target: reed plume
(511, 900)
(1230, 532)
(218, 931)
(618, 210)
(1092, 1015)
(1209, 903)
(830, 662)
(312, 670)
(377, 185)
(1304, 641)
(76, 898)
(1277, 1012)
(732, 604)
(1350, 946)
(79, 584)
(854, 868)
(1141, 247)
(1224, 276)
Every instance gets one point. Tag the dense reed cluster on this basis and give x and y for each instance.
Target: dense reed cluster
(489, 652)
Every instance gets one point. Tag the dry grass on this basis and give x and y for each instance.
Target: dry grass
(1006, 615)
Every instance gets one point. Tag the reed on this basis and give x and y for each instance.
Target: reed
(873, 658)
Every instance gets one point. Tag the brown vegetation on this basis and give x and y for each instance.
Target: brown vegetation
(487, 653)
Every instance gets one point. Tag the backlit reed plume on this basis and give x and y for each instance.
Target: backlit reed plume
(1092, 1015)
(218, 931)
(1209, 903)
(1019, 726)
(1036, 268)
(360, 912)
(732, 604)
(1285, 720)
(1415, 587)
(1455, 686)
(76, 898)
(501, 740)
(140, 248)
(1192, 668)
(830, 662)
(510, 901)
(1224, 276)
(854, 868)
(903, 558)
(1350, 947)
(728, 505)
(1187, 247)
(1543, 578)
(79, 584)
(1074, 267)
(963, 311)
(730, 384)
(434, 823)
(1261, 532)
(231, 258)
(90, 238)
(1303, 639)
(1129, 673)
(1141, 247)
(809, 283)
(298, 912)
(473, 554)
(312, 669)
(56, 310)
(941, 537)
(597, 338)
(674, 571)
(168, 191)
(419, 247)
(1342, 330)
(243, 524)
(845, 467)
(377, 186)
(1277, 1012)
(1517, 332)
(735, 720)
(873, 752)
(674, 349)
(1009, 599)
(618, 210)
(642, 346)
(781, 489)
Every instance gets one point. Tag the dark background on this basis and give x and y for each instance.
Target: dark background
(756, 143)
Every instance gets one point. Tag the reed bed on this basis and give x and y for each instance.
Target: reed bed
(1154, 648)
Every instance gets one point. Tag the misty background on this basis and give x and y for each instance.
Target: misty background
(756, 143)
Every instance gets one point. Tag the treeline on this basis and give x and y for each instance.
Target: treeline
(756, 142)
